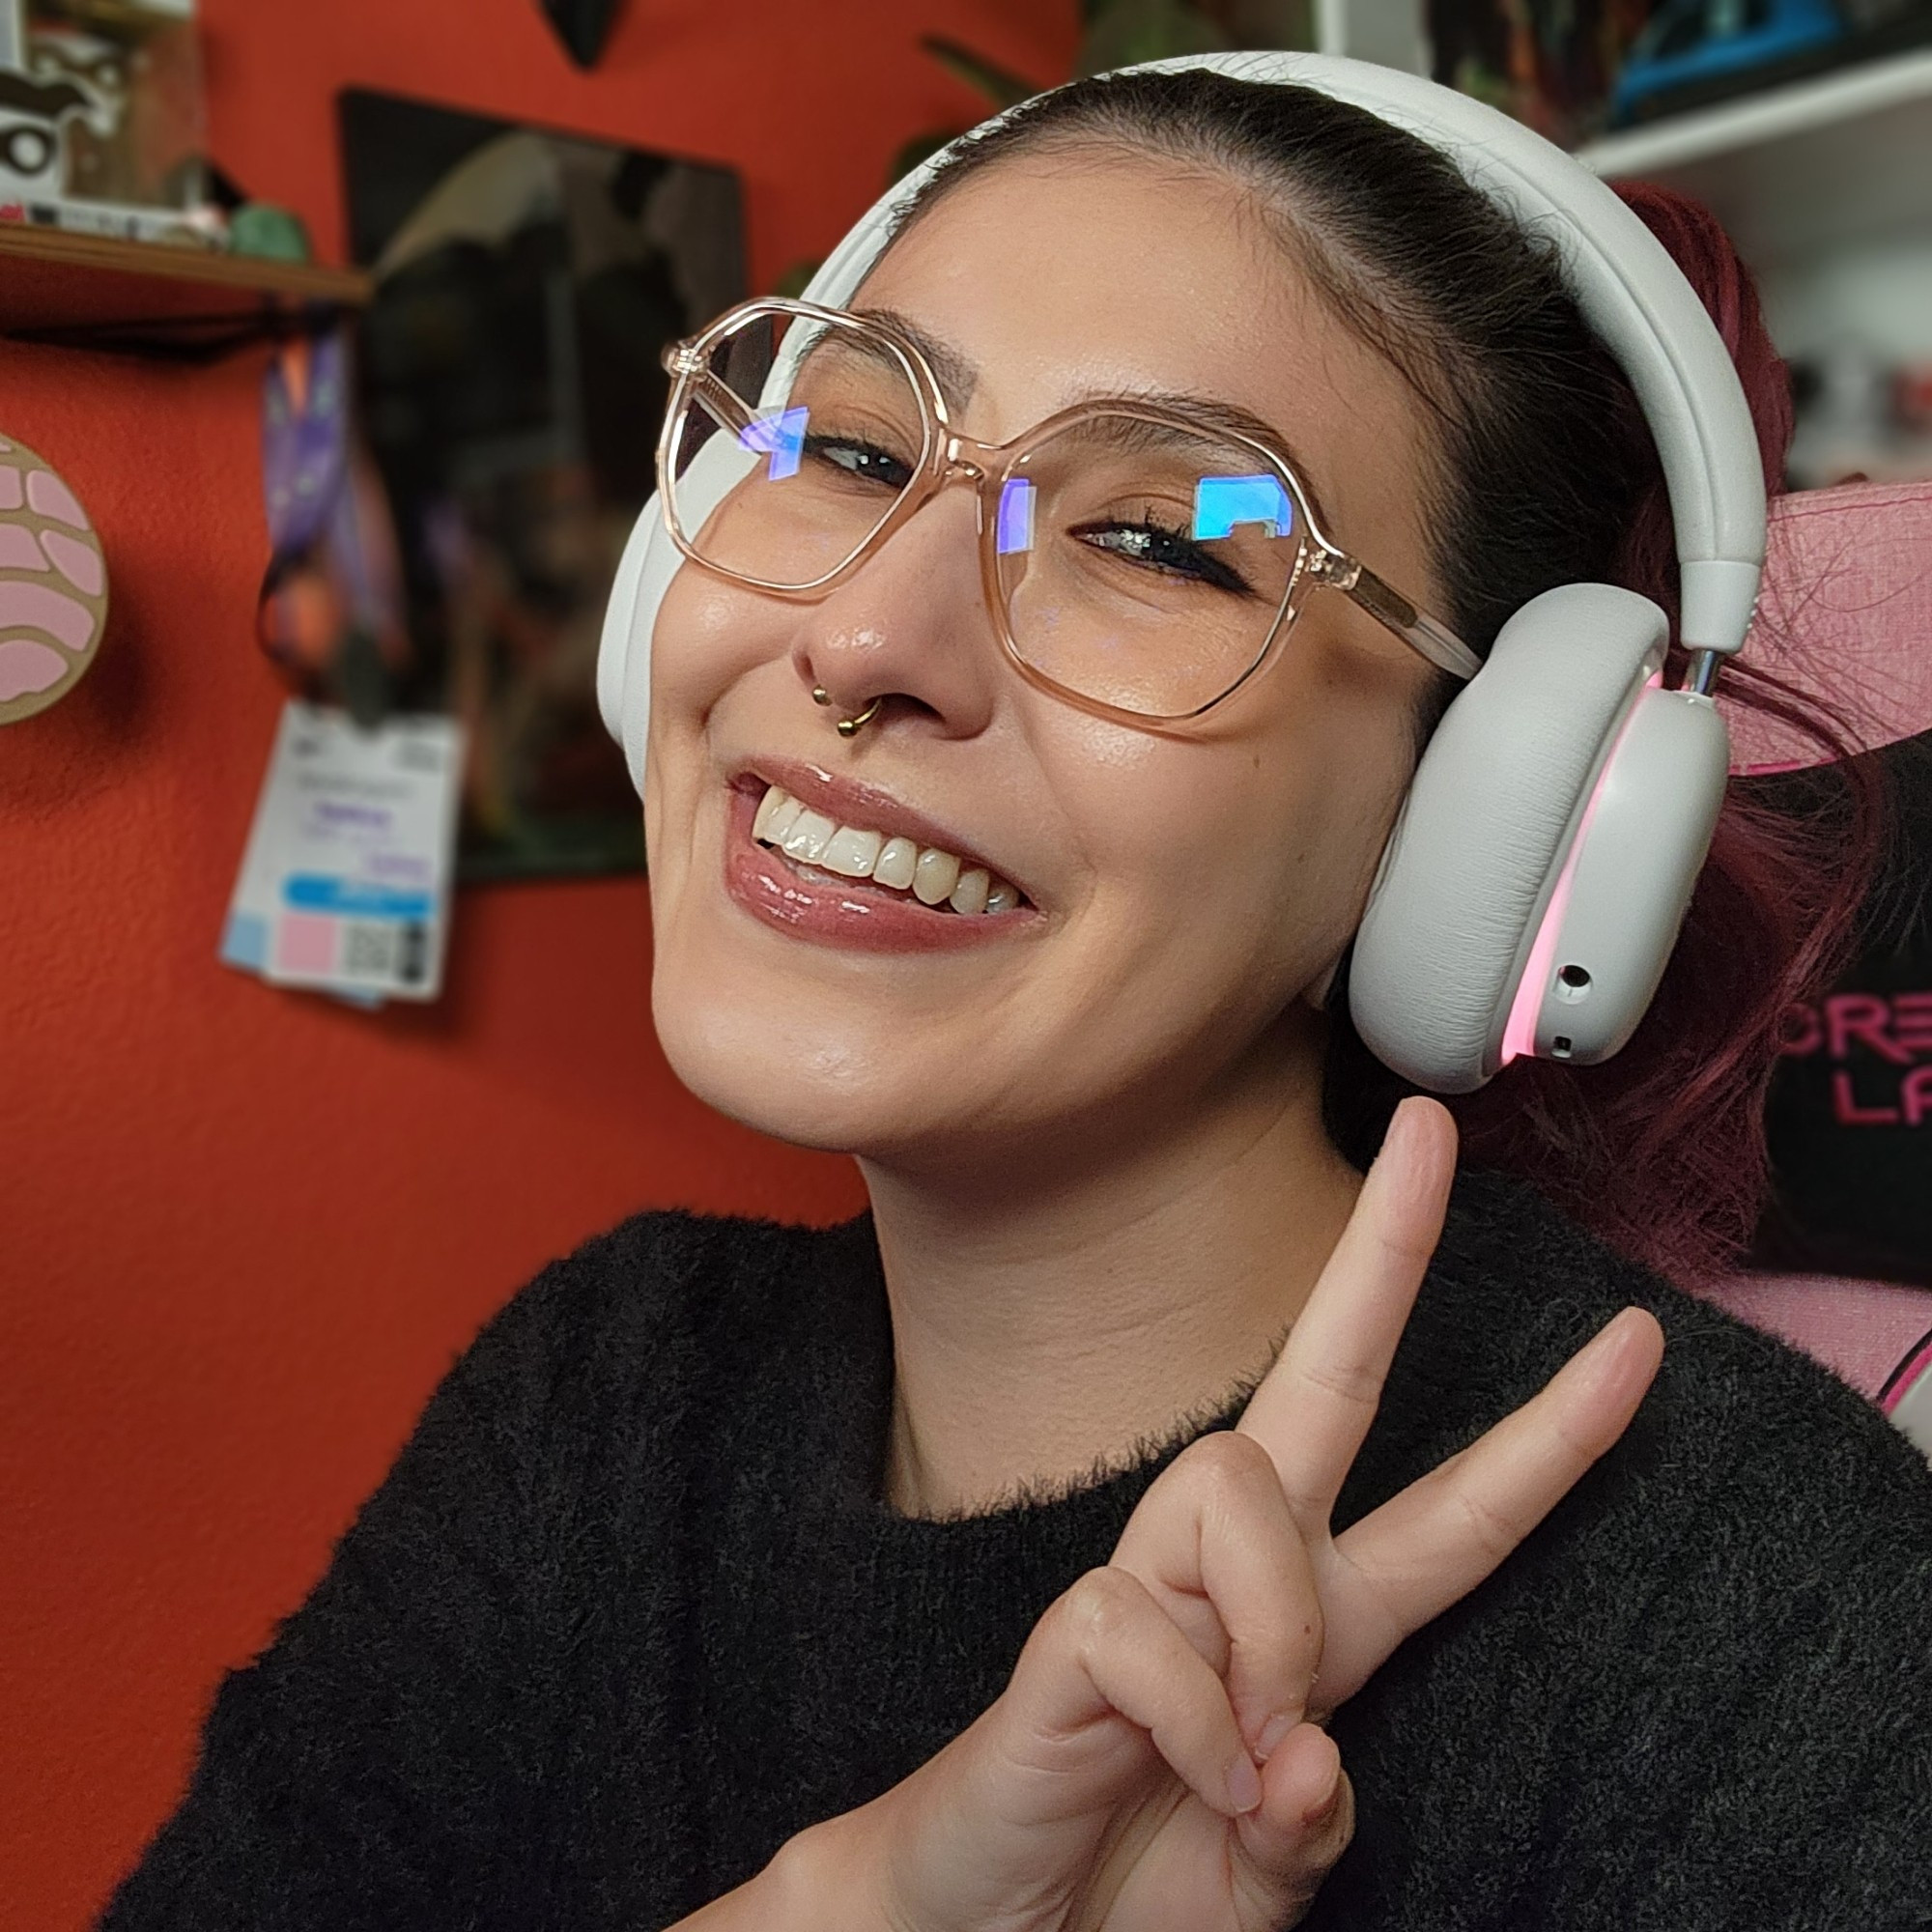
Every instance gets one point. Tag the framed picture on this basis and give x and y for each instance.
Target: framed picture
(511, 392)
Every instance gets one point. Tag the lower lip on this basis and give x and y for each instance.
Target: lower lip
(872, 919)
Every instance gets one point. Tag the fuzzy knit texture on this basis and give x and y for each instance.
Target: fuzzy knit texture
(630, 1611)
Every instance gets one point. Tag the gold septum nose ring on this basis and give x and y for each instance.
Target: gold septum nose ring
(848, 726)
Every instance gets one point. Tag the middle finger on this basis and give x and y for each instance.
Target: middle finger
(1214, 1543)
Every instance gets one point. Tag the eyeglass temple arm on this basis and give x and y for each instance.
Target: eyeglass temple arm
(1388, 606)
(725, 407)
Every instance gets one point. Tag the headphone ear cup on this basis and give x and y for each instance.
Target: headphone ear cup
(651, 559)
(623, 702)
(1490, 817)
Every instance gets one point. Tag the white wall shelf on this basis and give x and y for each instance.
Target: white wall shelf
(1795, 169)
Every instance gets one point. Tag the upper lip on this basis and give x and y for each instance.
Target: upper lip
(852, 801)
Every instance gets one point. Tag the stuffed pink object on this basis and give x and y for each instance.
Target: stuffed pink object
(1846, 614)
(53, 585)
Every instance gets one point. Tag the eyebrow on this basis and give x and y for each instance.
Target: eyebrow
(957, 379)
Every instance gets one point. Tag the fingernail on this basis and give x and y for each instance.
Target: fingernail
(1273, 1731)
(1244, 1783)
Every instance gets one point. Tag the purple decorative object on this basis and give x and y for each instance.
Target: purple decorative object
(49, 624)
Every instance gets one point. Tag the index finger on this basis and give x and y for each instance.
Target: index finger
(1315, 1404)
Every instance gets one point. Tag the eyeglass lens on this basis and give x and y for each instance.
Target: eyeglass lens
(1141, 564)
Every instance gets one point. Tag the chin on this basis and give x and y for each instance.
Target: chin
(807, 1077)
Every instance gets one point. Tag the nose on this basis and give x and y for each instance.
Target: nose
(909, 630)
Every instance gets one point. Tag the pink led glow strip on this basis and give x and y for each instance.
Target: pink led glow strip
(1519, 1031)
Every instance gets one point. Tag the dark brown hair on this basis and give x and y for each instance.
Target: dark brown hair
(1540, 471)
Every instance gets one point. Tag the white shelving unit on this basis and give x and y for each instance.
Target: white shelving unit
(1826, 186)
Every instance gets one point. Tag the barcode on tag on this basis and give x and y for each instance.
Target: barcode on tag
(385, 950)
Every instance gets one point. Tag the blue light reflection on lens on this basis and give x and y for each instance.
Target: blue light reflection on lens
(781, 437)
(1014, 530)
(1221, 502)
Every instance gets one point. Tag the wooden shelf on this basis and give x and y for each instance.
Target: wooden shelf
(93, 291)
(1802, 167)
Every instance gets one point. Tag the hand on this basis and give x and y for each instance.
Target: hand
(1157, 1759)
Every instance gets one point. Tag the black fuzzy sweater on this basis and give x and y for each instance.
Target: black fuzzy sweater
(629, 1612)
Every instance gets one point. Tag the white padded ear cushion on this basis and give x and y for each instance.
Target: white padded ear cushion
(1484, 829)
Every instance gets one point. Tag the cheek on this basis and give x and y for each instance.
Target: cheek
(1265, 865)
(708, 635)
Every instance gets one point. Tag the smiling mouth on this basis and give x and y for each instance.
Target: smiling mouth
(820, 848)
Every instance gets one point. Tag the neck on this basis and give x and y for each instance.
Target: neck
(1058, 1318)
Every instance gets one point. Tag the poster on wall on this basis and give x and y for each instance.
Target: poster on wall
(511, 391)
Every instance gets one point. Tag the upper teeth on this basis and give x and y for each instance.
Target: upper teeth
(856, 852)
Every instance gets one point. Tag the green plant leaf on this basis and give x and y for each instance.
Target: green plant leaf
(1000, 87)
(1130, 31)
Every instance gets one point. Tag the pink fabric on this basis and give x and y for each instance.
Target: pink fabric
(1846, 613)
(1861, 1330)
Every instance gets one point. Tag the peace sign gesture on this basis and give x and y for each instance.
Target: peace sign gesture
(1157, 1759)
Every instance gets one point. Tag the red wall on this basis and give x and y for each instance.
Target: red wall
(242, 1232)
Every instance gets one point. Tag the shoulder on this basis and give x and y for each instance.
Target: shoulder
(611, 1356)
(1693, 1694)
(656, 1298)
(1749, 1469)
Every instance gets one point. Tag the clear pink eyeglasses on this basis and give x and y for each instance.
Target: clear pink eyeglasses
(1141, 561)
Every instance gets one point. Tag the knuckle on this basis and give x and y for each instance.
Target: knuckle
(1352, 1382)
(1493, 1531)
(1098, 1604)
(1225, 1463)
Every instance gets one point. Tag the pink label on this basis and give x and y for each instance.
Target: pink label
(305, 943)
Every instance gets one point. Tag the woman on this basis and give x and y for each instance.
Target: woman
(994, 1561)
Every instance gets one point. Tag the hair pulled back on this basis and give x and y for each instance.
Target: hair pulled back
(1539, 470)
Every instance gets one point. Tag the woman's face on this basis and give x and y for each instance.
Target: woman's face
(1185, 892)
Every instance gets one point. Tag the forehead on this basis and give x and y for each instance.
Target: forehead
(1060, 275)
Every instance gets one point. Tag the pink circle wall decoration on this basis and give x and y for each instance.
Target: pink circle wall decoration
(53, 585)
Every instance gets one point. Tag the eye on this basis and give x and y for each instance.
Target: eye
(1165, 550)
(864, 461)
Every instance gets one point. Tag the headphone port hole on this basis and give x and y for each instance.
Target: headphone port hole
(1573, 982)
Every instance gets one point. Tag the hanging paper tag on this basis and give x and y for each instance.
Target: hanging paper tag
(345, 882)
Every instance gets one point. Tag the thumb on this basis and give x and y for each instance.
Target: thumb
(1289, 1842)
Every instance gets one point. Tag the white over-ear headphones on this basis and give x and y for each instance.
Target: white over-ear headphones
(1532, 890)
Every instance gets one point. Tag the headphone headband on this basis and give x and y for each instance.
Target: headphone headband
(1631, 293)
